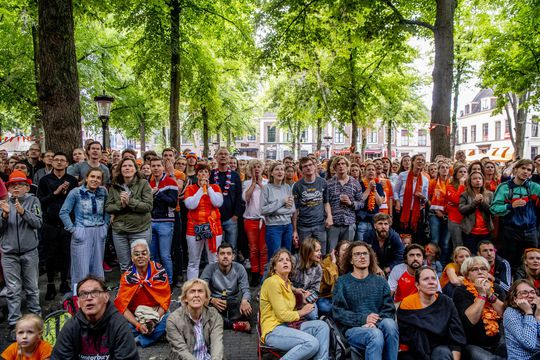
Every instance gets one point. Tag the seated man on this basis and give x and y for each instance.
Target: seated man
(229, 287)
(362, 305)
(386, 242)
(144, 296)
(98, 330)
(195, 331)
(401, 278)
(500, 271)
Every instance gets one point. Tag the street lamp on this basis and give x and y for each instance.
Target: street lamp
(104, 103)
(327, 140)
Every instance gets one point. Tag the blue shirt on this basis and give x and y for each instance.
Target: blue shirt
(87, 206)
(522, 333)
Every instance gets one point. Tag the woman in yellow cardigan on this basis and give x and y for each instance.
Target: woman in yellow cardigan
(281, 325)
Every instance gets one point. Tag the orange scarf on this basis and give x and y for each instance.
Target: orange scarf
(371, 196)
(406, 216)
(490, 317)
(156, 283)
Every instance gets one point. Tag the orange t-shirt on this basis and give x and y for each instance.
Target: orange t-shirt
(42, 351)
(444, 277)
(480, 227)
(411, 302)
(406, 287)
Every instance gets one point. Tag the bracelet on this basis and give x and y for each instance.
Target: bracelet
(481, 297)
(492, 299)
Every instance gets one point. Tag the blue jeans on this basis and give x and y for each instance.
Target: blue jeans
(362, 227)
(311, 341)
(440, 236)
(159, 331)
(324, 305)
(277, 237)
(161, 246)
(381, 342)
(230, 232)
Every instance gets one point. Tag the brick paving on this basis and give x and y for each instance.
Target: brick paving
(238, 346)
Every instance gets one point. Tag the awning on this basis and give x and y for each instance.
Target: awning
(345, 151)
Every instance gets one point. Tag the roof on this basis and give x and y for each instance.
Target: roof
(484, 93)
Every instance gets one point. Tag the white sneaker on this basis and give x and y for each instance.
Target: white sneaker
(3, 293)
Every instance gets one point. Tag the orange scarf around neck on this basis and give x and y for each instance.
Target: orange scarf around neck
(409, 217)
(490, 317)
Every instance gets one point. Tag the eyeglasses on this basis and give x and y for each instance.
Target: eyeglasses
(357, 255)
(526, 293)
(140, 253)
(16, 185)
(90, 294)
(477, 269)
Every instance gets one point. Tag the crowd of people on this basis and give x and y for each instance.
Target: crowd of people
(402, 259)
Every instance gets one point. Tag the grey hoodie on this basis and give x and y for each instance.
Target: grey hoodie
(18, 234)
(273, 207)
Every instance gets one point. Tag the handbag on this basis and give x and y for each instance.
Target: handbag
(203, 231)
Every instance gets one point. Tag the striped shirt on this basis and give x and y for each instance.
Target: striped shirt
(344, 214)
(200, 350)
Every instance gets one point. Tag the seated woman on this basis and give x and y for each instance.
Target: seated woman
(480, 306)
(195, 331)
(522, 321)
(281, 327)
(144, 296)
(308, 272)
(531, 267)
(331, 270)
(429, 325)
(451, 276)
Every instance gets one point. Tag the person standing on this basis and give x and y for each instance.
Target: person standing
(53, 190)
(313, 213)
(47, 161)
(33, 163)
(231, 188)
(81, 169)
(165, 194)
(373, 197)
(89, 228)
(130, 203)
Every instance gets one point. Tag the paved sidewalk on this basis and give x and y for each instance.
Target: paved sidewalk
(238, 346)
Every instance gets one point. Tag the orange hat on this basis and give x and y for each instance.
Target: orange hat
(17, 177)
(191, 154)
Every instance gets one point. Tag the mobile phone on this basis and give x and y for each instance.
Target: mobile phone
(311, 299)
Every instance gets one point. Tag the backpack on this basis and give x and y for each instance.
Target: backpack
(53, 323)
(339, 348)
(69, 304)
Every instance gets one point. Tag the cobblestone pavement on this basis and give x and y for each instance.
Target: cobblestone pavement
(238, 346)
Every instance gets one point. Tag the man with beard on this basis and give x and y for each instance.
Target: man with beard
(401, 278)
(386, 242)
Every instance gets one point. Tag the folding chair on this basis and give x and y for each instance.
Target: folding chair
(262, 348)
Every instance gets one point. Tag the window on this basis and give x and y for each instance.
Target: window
(467, 109)
(338, 137)
(405, 137)
(422, 137)
(271, 135)
(486, 103)
(464, 135)
(288, 137)
(497, 130)
(373, 137)
(303, 137)
(473, 133)
(534, 151)
(303, 153)
(271, 154)
(252, 137)
(485, 132)
(507, 127)
(534, 128)
(393, 141)
(287, 153)
(239, 138)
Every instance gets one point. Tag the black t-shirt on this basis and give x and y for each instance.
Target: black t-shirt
(476, 334)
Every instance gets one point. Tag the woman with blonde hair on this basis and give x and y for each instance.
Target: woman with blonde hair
(281, 325)
(195, 330)
(451, 276)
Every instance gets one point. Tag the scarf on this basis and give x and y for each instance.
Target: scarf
(371, 197)
(490, 317)
(228, 181)
(438, 199)
(406, 216)
(155, 282)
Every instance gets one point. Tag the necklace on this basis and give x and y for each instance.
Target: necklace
(228, 181)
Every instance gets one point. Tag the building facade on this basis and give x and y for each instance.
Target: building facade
(481, 132)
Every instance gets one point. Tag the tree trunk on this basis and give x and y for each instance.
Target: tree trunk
(35, 43)
(58, 97)
(389, 139)
(205, 132)
(519, 114)
(364, 143)
(457, 82)
(143, 133)
(354, 100)
(442, 78)
(174, 96)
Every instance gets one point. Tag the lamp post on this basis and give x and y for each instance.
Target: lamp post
(104, 103)
(327, 140)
